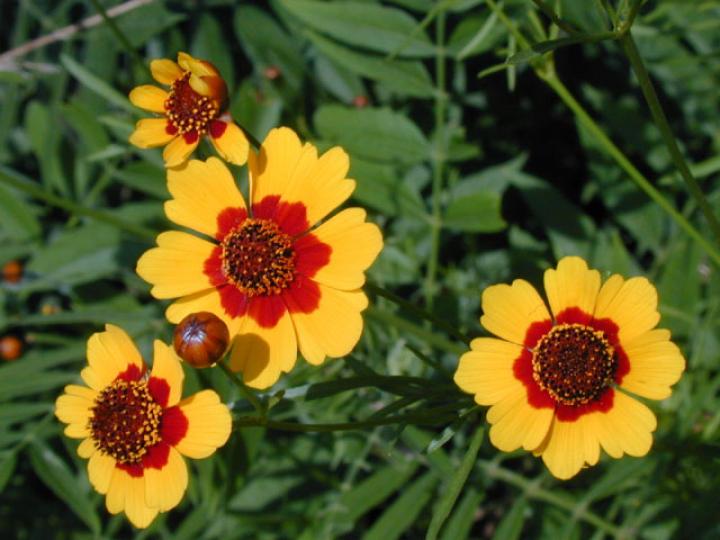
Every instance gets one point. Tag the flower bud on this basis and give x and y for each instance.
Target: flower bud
(272, 72)
(12, 271)
(10, 348)
(201, 339)
(361, 101)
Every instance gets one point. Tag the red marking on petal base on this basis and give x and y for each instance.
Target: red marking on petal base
(303, 295)
(132, 373)
(159, 390)
(234, 303)
(267, 310)
(523, 371)
(291, 217)
(157, 456)
(170, 128)
(229, 219)
(569, 413)
(173, 426)
(535, 332)
(610, 329)
(135, 470)
(213, 268)
(191, 137)
(573, 315)
(217, 128)
(310, 255)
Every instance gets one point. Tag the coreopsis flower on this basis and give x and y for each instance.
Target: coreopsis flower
(134, 427)
(280, 285)
(559, 381)
(193, 107)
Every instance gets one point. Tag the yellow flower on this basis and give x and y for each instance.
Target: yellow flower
(194, 106)
(558, 384)
(279, 285)
(134, 427)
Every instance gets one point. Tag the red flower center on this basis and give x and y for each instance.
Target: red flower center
(574, 363)
(258, 258)
(187, 110)
(125, 421)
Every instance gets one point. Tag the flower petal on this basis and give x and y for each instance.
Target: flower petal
(263, 353)
(176, 267)
(86, 448)
(166, 368)
(164, 488)
(510, 310)
(520, 424)
(354, 243)
(332, 329)
(655, 364)
(74, 407)
(148, 97)
(179, 149)
(101, 468)
(209, 425)
(109, 354)
(572, 285)
(631, 305)
(568, 446)
(626, 428)
(229, 141)
(165, 71)
(208, 300)
(487, 370)
(201, 190)
(151, 133)
(197, 67)
(128, 493)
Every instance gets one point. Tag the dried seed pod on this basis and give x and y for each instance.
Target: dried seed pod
(12, 271)
(201, 339)
(10, 348)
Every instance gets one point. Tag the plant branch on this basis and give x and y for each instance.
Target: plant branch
(245, 392)
(550, 12)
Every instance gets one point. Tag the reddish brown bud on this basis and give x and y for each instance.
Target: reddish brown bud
(12, 271)
(272, 72)
(10, 348)
(201, 339)
(361, 101)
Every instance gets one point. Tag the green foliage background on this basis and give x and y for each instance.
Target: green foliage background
(474, 180)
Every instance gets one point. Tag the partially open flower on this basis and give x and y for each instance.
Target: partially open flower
(194, 106)
(201, 339)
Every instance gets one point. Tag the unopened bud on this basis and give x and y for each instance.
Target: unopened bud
(12, 271)
(10, 348)
(272, 72)
(201, 339)
(361, 101)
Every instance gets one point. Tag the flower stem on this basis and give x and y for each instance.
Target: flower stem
(550, 12)
(244, 390)
(658, 114)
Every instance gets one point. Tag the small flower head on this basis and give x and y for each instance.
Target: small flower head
(557, 380)
(134, 427)
(201, 339)
(281, 284)
(193, 106)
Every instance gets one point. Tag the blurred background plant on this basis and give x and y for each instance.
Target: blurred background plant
(485, 142)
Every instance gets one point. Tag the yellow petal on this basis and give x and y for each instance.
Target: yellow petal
(208, 300)
(656, 364)
(355, 245)
(509, 310)
(109, 354)
(179, 150)
(262, 354)
(564, 452)
(166, 366)
(77, 431)
(73, 407)
(127, 493)
(209, 425)
(231, 143)
(287, 168)
(165, 71)
(333, 329)
(626, 428)
(101, 468)
(201, 190)
(176, 266)
(520, 424)
(631, 304)
(148, 97)
(86, 448)
(572, 285)
(164, 488)
(151, 133)
(487, 370)
(197, 67)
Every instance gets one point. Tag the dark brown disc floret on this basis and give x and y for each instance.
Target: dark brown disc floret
(574, 363)
(258, 258)
(125, 421)
(187, 110)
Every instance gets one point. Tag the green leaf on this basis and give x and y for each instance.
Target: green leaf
(463, 517)
(97, 85)
(538, 49)
(369, 26)
(453, 489)
(210, 44)
(17, 217)
(403, 512)
(145, 178)
(511, 525)
(57, 476)
(8, 461)
(478, 212)
(374, 134)
(379, 186)
(402, 77)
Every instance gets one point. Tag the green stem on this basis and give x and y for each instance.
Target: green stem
(438, 160)
(244, 390)
(550, 12)
(418, 311)
(37, 192)
(637, 177)
(658, 114)
(121, 37)
(509, 24)
(627, 24)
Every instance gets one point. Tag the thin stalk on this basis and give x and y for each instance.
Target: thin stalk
(37, 192)
(658, 114)
(550, 12)
(634, 10)
(244, 390)
(637, 177)
(440, 149)
(418, 311)
(509, 24)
